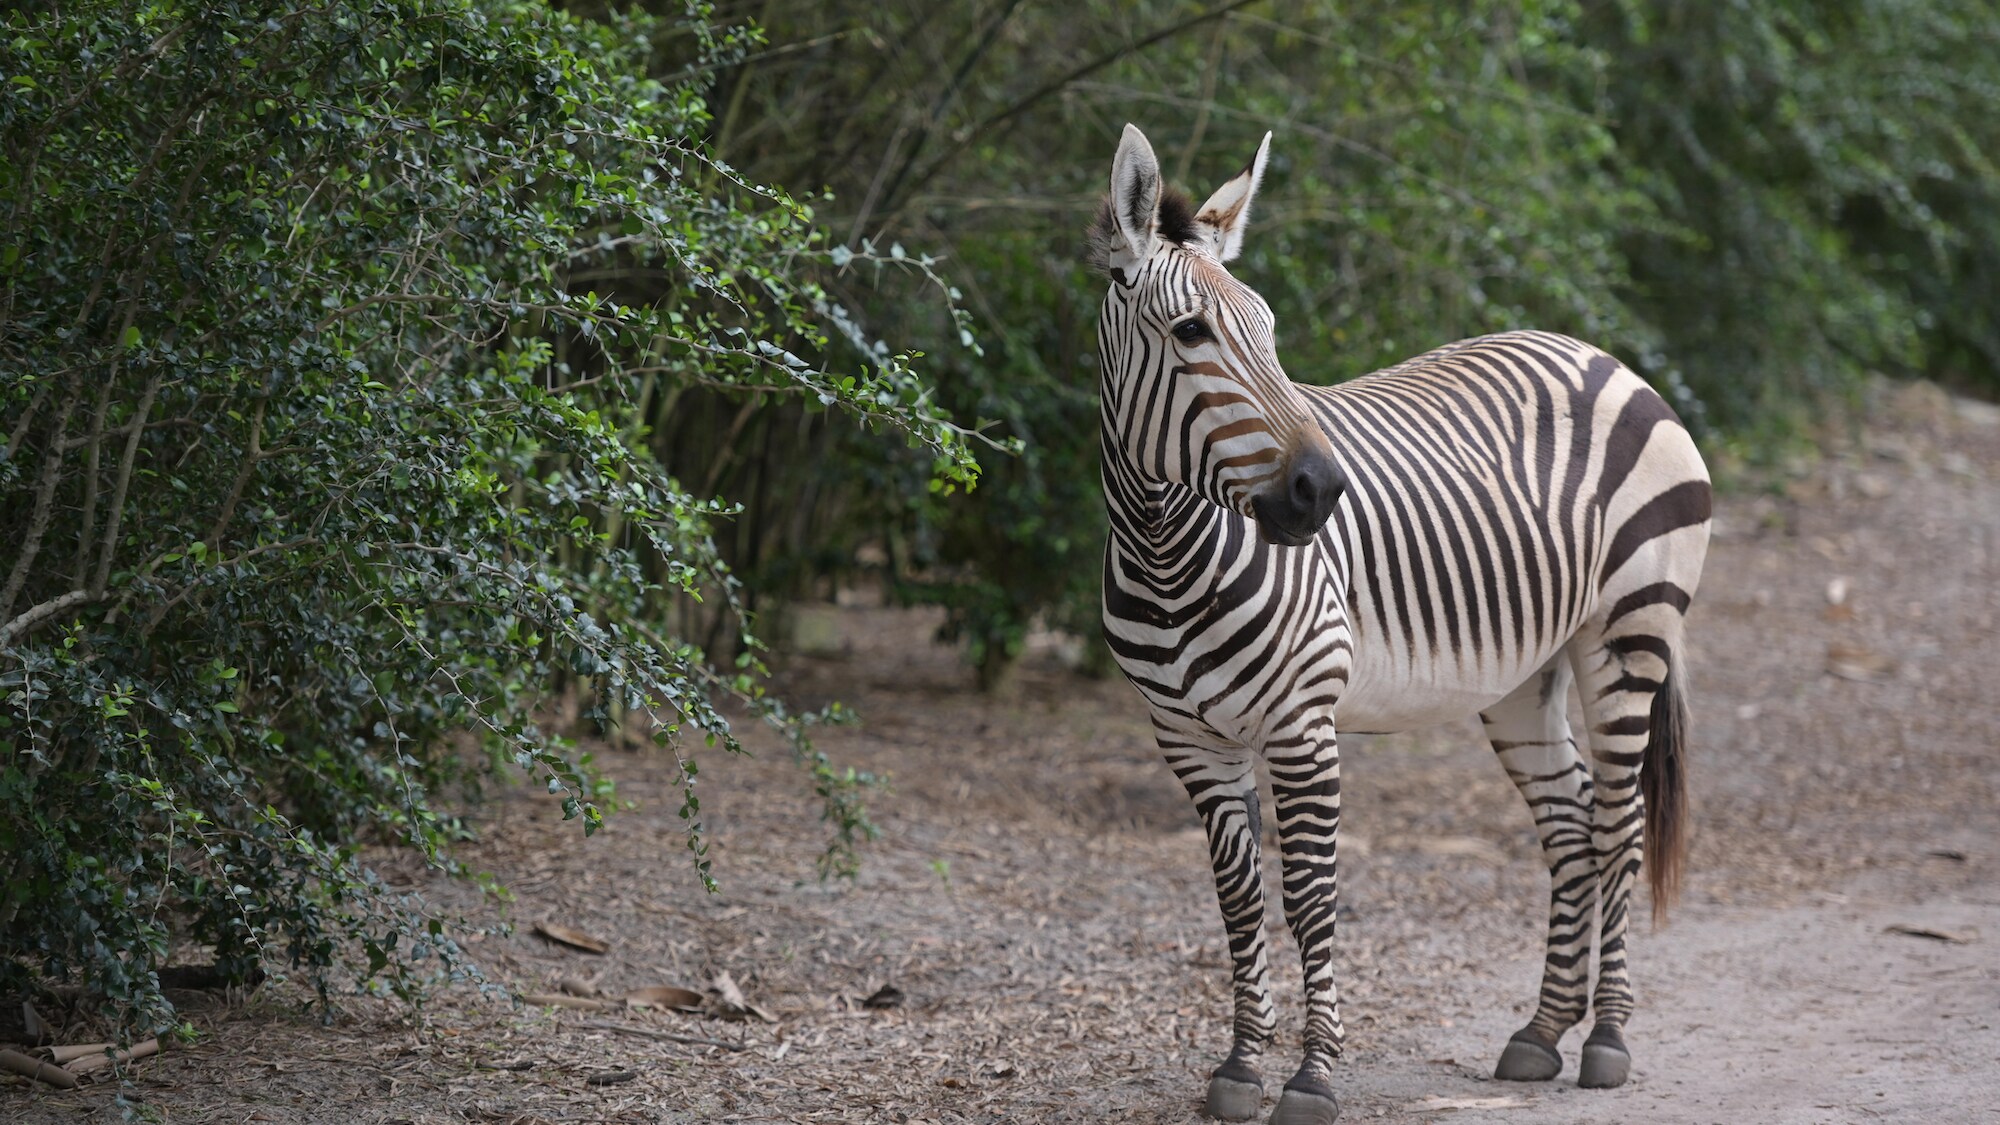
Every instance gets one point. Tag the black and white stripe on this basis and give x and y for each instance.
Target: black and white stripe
(1468, 532)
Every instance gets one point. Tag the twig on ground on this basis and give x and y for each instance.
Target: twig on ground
(670, 1036)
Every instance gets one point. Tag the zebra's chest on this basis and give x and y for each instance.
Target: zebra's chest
(1230, 645)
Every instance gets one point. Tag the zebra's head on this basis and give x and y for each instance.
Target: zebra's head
(1193, 393)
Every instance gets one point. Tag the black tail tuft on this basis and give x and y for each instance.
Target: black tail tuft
(1663, 780)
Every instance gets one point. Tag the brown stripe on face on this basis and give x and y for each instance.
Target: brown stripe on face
(1239, 428)
(1261, 457)
(1211, 400)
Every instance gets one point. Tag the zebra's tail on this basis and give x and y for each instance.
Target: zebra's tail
(1663, 779)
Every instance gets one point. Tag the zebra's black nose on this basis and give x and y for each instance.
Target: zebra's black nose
(1294, 512)
(1316, 487)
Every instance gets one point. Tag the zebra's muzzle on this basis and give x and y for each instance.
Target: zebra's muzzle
(1301, 500)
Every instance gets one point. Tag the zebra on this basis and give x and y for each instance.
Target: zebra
(1468, 532)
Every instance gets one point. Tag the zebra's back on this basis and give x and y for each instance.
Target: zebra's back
(1504, 492)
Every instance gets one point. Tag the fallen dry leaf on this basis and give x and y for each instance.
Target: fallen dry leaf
(1862, 665)
(665, 996)
(725, 999)
(32, 1025)
(574, 938)
(887, 996)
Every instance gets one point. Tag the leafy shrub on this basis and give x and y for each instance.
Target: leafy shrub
(320, 450)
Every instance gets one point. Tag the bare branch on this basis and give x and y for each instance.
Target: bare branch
(21, 427)
(117, 513)
(38, 522)
(37, 614)
(93, 445)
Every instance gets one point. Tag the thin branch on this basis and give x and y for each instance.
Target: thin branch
(690, 73)
(942, 106)
(1028, 101)
(244, 472)
(160, 611)
(1207, 104)
(27, 416)
(669, 1036)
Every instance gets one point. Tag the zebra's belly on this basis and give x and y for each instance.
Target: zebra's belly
(1387, 693)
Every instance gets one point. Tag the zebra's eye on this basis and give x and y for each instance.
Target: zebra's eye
(1192, 331)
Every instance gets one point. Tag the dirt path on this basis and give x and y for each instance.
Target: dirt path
(1040, 896)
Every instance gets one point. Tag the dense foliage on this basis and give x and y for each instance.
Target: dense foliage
(319, 416)
(1824, 187)
(1754, 204)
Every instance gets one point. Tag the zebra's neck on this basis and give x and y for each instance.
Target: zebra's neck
(1165, 531)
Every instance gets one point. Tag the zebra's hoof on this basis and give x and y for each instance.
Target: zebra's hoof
(1233, 1101)
(1606, 1062)
(1235, 1093)
(1306, 1102)
(1528, 1059)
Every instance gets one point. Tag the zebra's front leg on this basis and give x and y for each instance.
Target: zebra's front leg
(1305, 778)
(1223, 785)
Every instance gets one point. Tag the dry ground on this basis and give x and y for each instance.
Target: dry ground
(1040, 894)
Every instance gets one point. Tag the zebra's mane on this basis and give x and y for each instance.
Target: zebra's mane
(1176, 214)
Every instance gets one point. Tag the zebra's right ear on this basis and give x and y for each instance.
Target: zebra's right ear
(1135, 198)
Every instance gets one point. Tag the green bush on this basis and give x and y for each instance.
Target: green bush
(321, 451)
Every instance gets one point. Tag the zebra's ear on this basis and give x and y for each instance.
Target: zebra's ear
(1221, 220)
(1135, 196)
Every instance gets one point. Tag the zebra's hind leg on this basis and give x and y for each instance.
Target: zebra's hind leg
(1623, 677)
(1305, 778)
(1223, 785)
(1529, 730)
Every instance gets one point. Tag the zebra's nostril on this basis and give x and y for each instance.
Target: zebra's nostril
(1305, 490)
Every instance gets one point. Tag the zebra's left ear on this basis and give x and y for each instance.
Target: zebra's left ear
(1221, 220)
